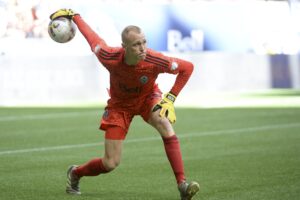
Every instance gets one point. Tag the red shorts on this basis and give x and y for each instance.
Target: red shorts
(122, 117)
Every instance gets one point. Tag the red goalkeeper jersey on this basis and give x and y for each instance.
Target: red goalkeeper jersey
(129, 83)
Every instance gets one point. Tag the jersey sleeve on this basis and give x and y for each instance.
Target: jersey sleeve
(104, 53)
(92, 38)
(182, 68)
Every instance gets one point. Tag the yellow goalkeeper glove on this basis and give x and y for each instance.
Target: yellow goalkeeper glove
(68, 13)
(166, 106)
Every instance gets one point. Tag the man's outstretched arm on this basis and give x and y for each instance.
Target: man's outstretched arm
(92, 38)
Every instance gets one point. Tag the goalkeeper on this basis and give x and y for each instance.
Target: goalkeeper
(133, 71)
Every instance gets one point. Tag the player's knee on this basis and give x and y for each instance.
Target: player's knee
(156, 121)
(111, 164)
(161, 124)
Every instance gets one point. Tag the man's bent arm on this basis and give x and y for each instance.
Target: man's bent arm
(185, 70)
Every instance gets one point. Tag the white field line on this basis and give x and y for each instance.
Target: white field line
(46, 116)
(147, 139)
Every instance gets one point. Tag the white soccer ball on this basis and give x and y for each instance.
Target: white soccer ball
(62, 29)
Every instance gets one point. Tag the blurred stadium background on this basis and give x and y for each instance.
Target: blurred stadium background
(237, 46)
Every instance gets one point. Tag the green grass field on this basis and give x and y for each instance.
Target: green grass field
(234, 153)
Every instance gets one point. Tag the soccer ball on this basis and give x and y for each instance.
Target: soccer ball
(62, 29)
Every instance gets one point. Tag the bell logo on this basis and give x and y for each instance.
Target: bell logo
(176, 43)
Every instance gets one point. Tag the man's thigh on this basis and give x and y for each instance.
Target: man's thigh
(113, 117)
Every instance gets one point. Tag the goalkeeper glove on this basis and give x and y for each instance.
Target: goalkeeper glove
(166, 106)
(68, 13)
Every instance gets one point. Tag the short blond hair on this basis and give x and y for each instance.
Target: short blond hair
(129, 28)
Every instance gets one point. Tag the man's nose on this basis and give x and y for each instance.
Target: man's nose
(142, 48)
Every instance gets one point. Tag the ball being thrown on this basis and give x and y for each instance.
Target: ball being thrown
(62, 29)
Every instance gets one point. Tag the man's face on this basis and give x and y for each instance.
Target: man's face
(135, 46)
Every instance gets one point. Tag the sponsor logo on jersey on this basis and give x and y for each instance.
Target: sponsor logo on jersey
(126, 89)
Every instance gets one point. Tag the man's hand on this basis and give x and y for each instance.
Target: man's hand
(166, 106)
(68, 13)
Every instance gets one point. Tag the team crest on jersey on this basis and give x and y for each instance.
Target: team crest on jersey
(144, 79)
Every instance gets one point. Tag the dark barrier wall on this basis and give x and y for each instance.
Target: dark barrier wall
(280, 71)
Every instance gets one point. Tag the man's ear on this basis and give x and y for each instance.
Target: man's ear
(123, 45)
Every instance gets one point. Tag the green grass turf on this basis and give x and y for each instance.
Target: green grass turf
(234, 153)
